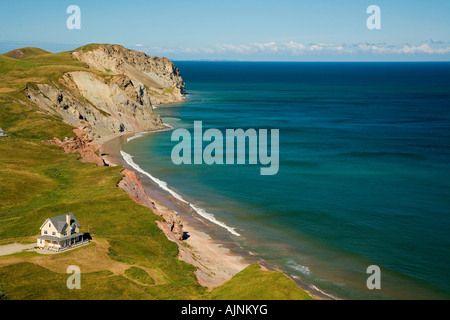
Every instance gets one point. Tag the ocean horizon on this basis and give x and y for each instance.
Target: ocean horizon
(363, 177)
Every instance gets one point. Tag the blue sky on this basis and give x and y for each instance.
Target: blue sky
(285, 30)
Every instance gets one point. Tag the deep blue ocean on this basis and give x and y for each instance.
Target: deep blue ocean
(364, 176)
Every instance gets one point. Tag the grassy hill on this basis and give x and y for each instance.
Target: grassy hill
(242, 286)
(131, 258)
(26, 53)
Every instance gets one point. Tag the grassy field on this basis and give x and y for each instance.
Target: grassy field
(140, 275)
(254, 283)
(130, 257)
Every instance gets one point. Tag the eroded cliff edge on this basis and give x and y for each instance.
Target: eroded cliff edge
(114, 94)
(159, 75)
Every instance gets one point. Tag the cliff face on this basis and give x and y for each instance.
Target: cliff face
(97, 107)
(119, 99)
(131, 184)
(82, 145)
(159, 75)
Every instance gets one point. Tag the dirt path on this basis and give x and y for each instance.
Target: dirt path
(15, 248)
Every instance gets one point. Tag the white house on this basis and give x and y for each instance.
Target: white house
(2, 134)
(61, 232)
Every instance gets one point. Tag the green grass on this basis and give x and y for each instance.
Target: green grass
(23, 254)
(27, 52)
(43, 182)
(19, 117)
(88, 47)
(28, 281)
(25, 240)
(3, 294)
(254, 283)
(21, 121)
(47, 68)
(140, 275)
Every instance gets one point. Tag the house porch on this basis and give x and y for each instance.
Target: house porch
(61, 244)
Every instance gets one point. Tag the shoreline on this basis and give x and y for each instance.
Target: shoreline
(217, 260)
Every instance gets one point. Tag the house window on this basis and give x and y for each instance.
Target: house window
(53, 233)
(49, 225)
(40, 241)
(45, 231)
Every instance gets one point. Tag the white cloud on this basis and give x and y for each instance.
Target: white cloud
(406, 49)
(267, 47)
(425, 48)
(293, 48)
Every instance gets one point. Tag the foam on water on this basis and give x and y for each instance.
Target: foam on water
(137, 135)
(163, 185)
(302, 269)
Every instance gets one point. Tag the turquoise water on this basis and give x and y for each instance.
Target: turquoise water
(364, 172)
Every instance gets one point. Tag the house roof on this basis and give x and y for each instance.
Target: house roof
(60, 222)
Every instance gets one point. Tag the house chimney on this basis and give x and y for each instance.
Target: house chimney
(69, 228)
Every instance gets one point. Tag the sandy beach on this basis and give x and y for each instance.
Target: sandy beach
(216, 262)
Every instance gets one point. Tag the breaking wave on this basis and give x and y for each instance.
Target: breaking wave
(163, 185)
(302, 269)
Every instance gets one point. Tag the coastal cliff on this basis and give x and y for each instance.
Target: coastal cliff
(158, 75)
(133, 186)
(114, 94)
(81, 144)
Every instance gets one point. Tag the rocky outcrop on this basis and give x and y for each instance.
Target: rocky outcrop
(158, 75)
(173, 222)
(17, 53)
(81, 144)
(99, 107)
(130, 184)
(114, 95)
